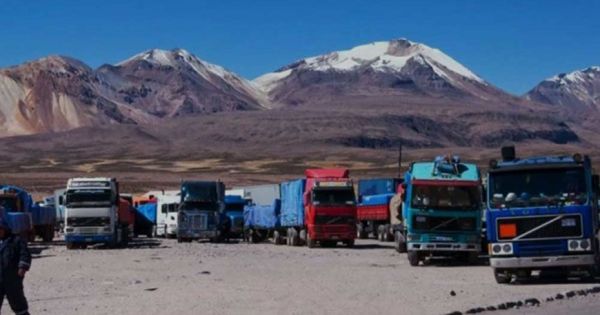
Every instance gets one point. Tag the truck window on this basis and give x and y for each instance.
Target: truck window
(333, 196)
(234, 207)
(446, 197)
(173, 207)
(9, 203)
(539, 187)
(88, 197)
(198, 205)
(199, 192)
(164, 208)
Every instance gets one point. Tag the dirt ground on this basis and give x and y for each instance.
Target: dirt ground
(163, 277)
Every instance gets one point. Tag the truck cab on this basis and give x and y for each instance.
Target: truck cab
(92, 213)
(542, 215)
(200, 210)
(234, 212)
(441, 210)
(166, 206)
(330, 208)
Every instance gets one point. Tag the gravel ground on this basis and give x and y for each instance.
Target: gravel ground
(164, 277)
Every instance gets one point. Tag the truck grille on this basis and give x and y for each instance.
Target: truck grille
(541, 227)
(541, 248)
(331, 220)
(88, 221)
(447, 224)
(198, 222)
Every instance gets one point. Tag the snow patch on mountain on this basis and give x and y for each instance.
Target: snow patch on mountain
(391, 56)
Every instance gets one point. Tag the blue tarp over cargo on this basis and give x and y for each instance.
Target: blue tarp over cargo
(147, 212)
(24, 197)
(17, 221)
(377, 186)
(263, 217)
(292, 203)
(375, 200)
(43, 215)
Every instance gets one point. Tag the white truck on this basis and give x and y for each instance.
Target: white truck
(94, 213)
(167, 206)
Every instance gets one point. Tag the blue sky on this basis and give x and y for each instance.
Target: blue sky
(512, 44)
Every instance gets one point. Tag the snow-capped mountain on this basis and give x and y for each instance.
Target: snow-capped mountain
(579, 89)
(389, 67)
(173, 83)
(59, 93)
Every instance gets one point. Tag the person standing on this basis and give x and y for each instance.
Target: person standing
(15, 261)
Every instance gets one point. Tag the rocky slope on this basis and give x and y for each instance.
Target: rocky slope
(60, 93)
(578, 90)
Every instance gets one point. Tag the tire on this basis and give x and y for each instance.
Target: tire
(380, 233)
(360, 231)
(48, 234)
(71, 246)
(349, 243)
(389, 236)
(179, 239)
(501, 276)
(288, 238)
(277, 238)
(399, 242)
(301, 236)
(309, 241)
(413, 258)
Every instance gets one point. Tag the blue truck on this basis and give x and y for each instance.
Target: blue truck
(233, 227)
(26, 217)
(201, 210)
(260, 221)
(441, 211)
(372, 211)
(542, 215)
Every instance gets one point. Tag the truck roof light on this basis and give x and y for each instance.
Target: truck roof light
(578, 158)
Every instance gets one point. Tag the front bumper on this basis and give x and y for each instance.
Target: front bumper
(444, 247)
(543, 262)
(197, 234)
(89, 239)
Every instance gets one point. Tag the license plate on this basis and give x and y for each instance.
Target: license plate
(568, 222)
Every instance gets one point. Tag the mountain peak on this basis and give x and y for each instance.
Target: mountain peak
(383, 57)
(580, 89)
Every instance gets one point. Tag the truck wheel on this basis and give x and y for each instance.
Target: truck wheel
(502, 277)
(381, 233)
(277, 238)
(309, 241)
(389, 236)
(71, 246)
(413, 258)
(302, 236)
(399, 242)
(349, 243)
(179, 239)
(48, 234)
(360, 231)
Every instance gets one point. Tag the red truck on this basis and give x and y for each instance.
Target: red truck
(329, 207)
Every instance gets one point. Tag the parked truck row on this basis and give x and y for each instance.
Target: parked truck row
(540, 213)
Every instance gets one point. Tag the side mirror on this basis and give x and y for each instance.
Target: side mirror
(61, 200)
(596, 183)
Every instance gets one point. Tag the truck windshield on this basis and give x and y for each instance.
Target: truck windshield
(9, 203)
(334, 196)
(88, 197)
(200, 206)
(234, 207)
(442, 197)
(538, 187)
(199, 192)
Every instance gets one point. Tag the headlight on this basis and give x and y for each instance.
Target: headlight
(580, 245)
(500, 249)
